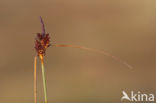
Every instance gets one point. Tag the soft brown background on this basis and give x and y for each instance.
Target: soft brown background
(125, 28)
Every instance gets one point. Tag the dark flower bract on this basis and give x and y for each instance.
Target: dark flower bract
(42, 42)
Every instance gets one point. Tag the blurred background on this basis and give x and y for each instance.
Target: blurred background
(124, 28)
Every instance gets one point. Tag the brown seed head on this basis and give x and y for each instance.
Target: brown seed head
(42, 41)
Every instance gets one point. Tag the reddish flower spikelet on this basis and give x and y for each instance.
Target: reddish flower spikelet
(42, 41)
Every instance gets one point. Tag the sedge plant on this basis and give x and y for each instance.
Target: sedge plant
(42, 42)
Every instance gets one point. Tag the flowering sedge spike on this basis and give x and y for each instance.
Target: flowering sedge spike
(42, 42)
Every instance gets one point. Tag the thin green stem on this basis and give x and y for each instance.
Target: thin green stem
(44, 82)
